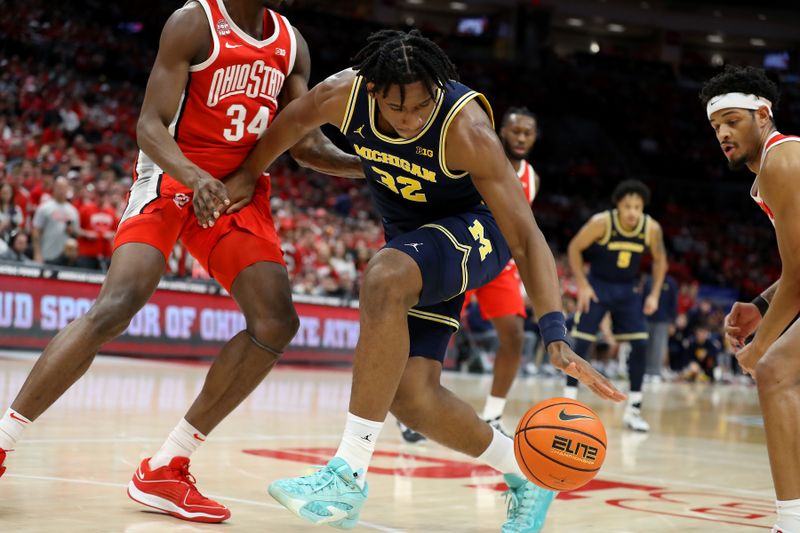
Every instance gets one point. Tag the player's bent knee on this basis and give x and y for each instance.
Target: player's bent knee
(276, 331)
(776, 370)
(387, 283)
(111, 314)
(514, 338)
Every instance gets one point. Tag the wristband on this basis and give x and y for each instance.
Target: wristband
(553, 328)
(761, 303)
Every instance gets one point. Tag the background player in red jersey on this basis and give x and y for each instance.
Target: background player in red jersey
(501, 300)
(739, 103)
(221, 70)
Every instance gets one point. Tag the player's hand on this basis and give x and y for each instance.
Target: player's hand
(650, 304)
(209, 198)
(749, 356)
(563, 358)
(586, 296)
(741, 322)
(241, 186)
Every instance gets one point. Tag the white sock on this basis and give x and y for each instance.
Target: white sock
(635, 399)
(11, 427)
(788, 515)
(571, 392)
(182, 442)
(358, 443)
(500, 455)
(493, 408)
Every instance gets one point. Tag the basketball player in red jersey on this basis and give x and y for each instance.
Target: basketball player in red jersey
(223, 67)
(501, 300)
(740, 103)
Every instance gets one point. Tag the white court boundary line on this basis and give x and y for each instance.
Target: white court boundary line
(648, 480)
(386, 529)
(240, 438)
(370, 525)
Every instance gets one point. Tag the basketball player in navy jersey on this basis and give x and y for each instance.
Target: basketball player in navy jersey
(188, 145)
(454, 214)
(613, 243)
(740, 104)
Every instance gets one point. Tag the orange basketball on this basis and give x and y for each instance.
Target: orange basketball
(560, 444)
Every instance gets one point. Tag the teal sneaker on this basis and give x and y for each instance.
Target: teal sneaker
(527, 505)
(328, 496)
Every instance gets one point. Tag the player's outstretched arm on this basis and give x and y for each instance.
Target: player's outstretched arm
(777, 184)
(591, 232)
(660, 266)
(324, 104)
(185, 37)
(473, 146)
(315, 150)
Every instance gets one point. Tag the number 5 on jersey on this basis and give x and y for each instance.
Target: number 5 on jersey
(624, 260)
(238, 113)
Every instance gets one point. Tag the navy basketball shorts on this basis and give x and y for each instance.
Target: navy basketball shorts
(624, 302)
(454, 254)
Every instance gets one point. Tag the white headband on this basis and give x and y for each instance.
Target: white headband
(740, 100)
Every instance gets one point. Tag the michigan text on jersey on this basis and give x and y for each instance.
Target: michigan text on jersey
(382, 157)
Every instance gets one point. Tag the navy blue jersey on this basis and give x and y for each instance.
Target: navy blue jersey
(409, 178)
(617, 256)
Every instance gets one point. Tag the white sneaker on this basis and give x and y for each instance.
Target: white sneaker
(633, 420)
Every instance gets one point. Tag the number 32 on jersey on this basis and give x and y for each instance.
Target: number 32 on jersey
(238, 113)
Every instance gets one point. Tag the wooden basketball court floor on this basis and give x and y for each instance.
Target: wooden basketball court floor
(703, 468)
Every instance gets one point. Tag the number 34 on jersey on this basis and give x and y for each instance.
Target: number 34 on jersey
(256, 125)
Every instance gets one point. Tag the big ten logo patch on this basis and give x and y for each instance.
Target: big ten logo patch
(223, 28)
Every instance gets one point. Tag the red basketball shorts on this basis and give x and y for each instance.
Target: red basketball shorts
(159, 212)
(501, 296)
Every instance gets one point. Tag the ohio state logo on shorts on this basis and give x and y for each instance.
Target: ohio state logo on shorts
(180, 199)
(223, 28)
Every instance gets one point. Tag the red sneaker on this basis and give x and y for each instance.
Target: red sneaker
(171, 489)
(2, 460)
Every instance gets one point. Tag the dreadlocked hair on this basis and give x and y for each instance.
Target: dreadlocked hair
(521, 111)
(748, 80)
(393, 57)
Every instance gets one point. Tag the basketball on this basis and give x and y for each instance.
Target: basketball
(560, 444)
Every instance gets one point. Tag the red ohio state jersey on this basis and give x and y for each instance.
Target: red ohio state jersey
(528, 178)
(774, 140)
(231, 97)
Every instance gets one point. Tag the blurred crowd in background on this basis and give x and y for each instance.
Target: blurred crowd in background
(71, 85)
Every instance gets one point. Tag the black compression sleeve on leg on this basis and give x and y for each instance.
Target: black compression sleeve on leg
(636, 364)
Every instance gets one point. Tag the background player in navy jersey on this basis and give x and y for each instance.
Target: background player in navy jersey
(613, 242)
(188, 146)
(739, 103)
(431, 158)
